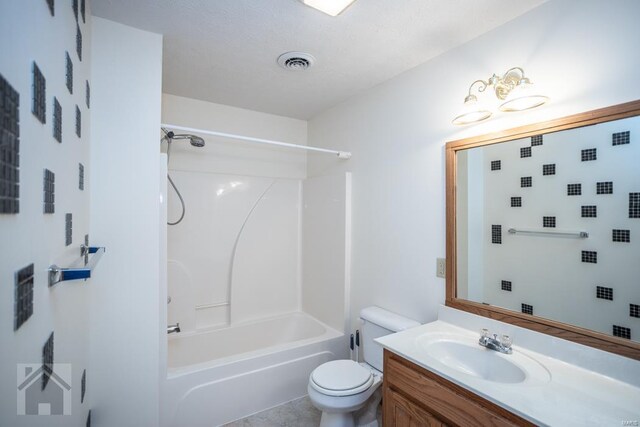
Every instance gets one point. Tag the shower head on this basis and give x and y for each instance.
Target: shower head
(196, 141)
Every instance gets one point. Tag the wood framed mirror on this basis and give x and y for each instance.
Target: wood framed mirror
(543, 227)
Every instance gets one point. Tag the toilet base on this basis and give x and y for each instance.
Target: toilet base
(365, 416)
(344, 419)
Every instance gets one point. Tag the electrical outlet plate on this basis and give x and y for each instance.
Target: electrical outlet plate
(441, 267)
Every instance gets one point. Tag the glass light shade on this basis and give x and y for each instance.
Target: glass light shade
(471, 112)
(523, 97)
(330, 7)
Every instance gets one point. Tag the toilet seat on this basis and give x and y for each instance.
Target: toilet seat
(341, 378)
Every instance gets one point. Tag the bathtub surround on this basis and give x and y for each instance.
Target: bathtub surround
(326, 249)
(246, 199)
(38, 187)
(398, 129)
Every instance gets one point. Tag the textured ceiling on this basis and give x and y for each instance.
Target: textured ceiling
(225, 51)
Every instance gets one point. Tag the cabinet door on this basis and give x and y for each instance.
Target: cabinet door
(399, 412)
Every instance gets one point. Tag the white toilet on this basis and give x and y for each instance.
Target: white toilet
(348, 393)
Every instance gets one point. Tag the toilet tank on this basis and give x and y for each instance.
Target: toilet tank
(378, 322)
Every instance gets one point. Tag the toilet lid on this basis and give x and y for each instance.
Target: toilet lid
(341, 378)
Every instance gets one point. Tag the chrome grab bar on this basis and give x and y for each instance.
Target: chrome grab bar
(59, 274)
(579, 234)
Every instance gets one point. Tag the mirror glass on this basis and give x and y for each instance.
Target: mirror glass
(549, 226)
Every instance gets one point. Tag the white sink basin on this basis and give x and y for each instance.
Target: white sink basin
(468, 357)
(476, 361)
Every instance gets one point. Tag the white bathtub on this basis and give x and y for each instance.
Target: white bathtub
(221, 375)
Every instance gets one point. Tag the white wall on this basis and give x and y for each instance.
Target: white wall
(125, 317)
(580, 53)
(29, 33)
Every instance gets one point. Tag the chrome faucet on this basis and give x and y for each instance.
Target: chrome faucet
(173, 328)
(503, 345)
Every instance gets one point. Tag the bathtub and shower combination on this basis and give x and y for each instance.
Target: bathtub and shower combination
(254, 318)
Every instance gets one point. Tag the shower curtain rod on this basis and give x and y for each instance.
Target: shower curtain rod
(340, 154)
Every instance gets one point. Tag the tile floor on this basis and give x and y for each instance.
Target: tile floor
(297, 413)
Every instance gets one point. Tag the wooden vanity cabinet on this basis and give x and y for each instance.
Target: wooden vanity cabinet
(416, 397)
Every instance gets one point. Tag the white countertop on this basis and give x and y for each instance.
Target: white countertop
(570, 395)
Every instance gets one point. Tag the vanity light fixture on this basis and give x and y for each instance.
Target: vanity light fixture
(513, 88)
(330, 7)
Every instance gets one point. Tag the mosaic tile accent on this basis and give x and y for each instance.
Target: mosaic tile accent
(496, 234)
(589, 154)
(526, 181)
(69, 73)
(68, 221)
(80, 176)
(51, 7)
(603, 292)
(516, 202)
(623, 236)
(39, 105)
(83, 10)
(23, 296)
(605, 187)
(75, 9)
(574, 189)
(622, 332)
(79, 42)
(590, 257)
(549, 221)
(47, 361)
(83, 385)
(57, 120)
(621, 138)
(549, 169)
(527, 309)
(505, 285)
(78, 122)
(9, 148)
(536, 140)
(634, 310)
(88, 94)
(589, 211)
(496, 165)
(49, 189)
(634, 205)
(525, 152)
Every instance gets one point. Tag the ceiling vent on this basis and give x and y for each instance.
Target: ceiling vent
(296, 61)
